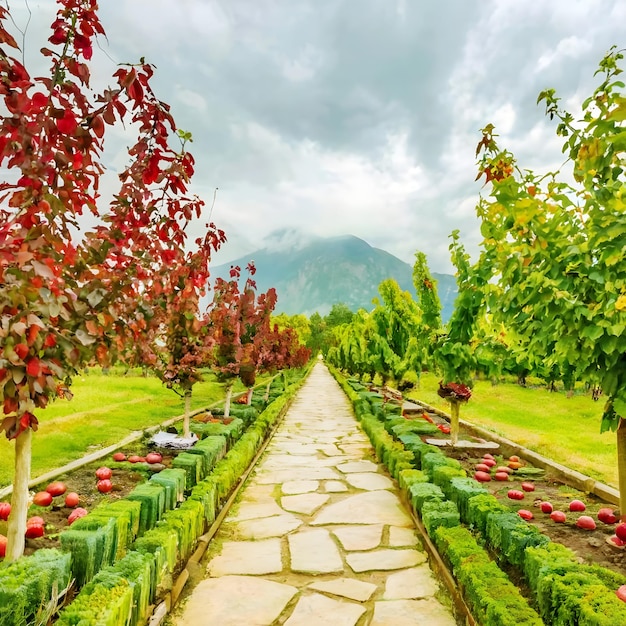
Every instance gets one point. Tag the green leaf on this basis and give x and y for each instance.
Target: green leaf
(609, 383)
(619, 406)
(592, 332)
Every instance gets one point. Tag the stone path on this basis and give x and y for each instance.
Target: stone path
(319, 535)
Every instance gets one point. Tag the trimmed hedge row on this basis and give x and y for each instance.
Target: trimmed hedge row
(124, 554)
(565, 592)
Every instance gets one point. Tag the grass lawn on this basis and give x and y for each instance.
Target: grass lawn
(104, 410)
(564, 429)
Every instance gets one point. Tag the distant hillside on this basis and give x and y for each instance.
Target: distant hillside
(312, 274)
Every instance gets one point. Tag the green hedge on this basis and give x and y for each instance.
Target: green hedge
(29, 586)
(492, 597)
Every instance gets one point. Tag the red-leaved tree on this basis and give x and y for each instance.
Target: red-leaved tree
(239, 323)
(66, 300)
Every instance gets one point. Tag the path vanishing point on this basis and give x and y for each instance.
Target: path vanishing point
(318, 535)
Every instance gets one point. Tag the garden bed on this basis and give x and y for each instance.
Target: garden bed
(550, 485)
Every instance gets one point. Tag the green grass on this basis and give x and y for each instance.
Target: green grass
(564, 429)
(104, 410)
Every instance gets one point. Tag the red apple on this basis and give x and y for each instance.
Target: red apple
(155, 457)
(5, 511)
(528, 487)
(489, 462)
(76, 514)
(3, 546)
(558, 517)
(502, 476)
(104, 485)
(620, 531)
(621, 593)
(546, 507)
(56, 489)
(524, 514)
(514, 494)
(71, 500)
(102, 473)
(119, 456)
(482, 477)
(586, 522)
(481, 467)
(33, 531)
(577, 505)
(42, 498)
(607, 516)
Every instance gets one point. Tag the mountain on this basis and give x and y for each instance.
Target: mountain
(312, 273)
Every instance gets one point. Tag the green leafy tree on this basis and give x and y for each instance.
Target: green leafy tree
(557, 250)
(339, 314)
(397, 344)
(318, 340)
(427, 295)
(454, 352)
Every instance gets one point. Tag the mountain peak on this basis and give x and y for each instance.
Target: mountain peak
(311, 273)
(287, 240)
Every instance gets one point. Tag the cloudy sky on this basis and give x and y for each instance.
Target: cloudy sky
(354, 117)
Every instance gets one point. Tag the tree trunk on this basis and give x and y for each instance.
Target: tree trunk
(19, 499)
(621, 467)
(229, 393)
(186, 431)
(249, 396)
(454, 422)
(285, 380)
(267, 390)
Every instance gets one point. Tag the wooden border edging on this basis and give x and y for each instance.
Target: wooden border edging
(571, 477)
(440, 567)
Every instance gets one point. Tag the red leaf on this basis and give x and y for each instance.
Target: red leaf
(33, 367)
(67, 124)
(97, 125)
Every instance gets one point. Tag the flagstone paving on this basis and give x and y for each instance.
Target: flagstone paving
(319, 535)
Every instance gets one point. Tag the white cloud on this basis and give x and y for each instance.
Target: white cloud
(570, 47)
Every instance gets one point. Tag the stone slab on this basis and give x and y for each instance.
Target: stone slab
(359, 537)
(318, 609)
(351, 588)
(254, 510)
(305, 503)
(369, 481)
(314, 552)
(384, 559)
(247, 557)
(279, 476)
(335, 486)
(400, 537)
(275, 526)
(292, 487)
(416, 582)
(236, 600)
(372, 507)
(357, 466)
(411, 613)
